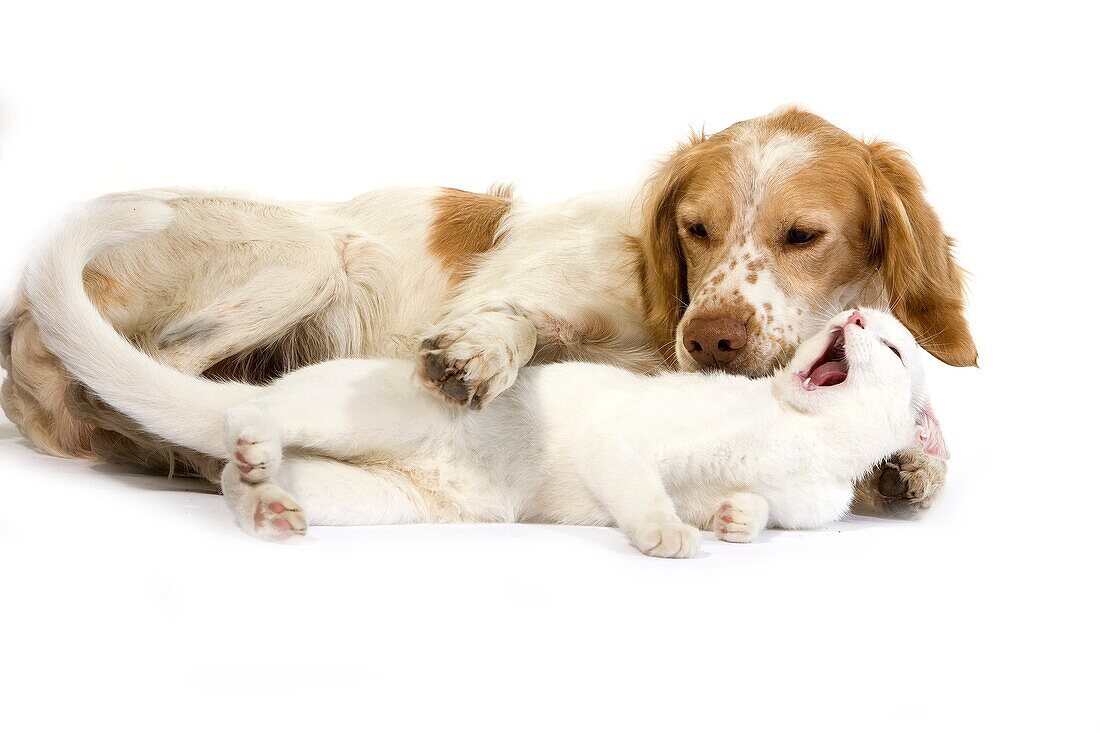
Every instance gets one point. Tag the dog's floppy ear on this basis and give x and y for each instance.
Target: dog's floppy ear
(663, 269)
(923, 282)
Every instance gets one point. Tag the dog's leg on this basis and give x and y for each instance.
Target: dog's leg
(473, 358)
(254, 315)
(631, 490)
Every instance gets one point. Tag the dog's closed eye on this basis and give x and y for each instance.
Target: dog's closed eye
(698, 230)
(798, 235)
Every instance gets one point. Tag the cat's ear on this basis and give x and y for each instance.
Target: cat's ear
(930, 434)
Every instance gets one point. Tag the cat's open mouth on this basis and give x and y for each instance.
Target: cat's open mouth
(831, 368)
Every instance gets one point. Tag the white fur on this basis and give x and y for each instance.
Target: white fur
(589, 444)
(571, 442)
(95, 353)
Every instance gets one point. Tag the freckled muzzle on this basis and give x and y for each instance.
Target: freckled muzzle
(731, 340)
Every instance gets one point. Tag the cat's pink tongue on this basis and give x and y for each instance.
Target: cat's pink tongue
(828, 374)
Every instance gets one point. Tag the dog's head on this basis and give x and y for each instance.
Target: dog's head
(754, 236)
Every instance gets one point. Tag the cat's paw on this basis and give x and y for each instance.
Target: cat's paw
(741, 517)
(472, 360)
(666, 537)
(254, 445)
(267, 512)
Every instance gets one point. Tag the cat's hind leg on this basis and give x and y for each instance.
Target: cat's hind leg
(271, 497)
(323, 491)
(342, 494)
(345, 409)
(263, 509)
(260, 506)
(253, 442)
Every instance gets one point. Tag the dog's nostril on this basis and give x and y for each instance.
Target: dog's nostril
(725, 345)
(694, 346)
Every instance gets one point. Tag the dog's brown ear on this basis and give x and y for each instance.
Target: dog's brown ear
(923, 282)
(664, 271)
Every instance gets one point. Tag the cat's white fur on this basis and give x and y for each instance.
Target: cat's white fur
(569, 443)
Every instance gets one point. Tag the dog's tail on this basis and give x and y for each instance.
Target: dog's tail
(181, 408)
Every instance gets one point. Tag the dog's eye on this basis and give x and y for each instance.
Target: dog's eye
(800, 236)
(698, 230)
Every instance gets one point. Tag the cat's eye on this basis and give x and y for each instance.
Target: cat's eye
(698, 230)
(798, 235)
(895, 350)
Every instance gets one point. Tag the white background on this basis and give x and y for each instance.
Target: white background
(125, 600)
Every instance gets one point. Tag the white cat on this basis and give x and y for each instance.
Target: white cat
(570, 443)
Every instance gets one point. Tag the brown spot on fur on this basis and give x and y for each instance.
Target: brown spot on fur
(465, 226)
(102, 288)
(751, 278)
(717, 277)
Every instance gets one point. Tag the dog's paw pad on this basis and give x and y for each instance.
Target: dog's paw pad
(910, 482)
(467, 365)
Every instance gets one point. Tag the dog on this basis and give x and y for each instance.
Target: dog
(658, 457)
(740, 245)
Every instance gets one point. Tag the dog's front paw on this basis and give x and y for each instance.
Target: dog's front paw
(906, 485)
(473, 360)
(741, 517)
(666, 537)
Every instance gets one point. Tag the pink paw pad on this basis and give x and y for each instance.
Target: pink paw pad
(242, 463)
(273, 507)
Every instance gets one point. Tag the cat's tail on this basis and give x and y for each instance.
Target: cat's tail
(183, 409)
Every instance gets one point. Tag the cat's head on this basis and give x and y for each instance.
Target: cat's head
(865, 363)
